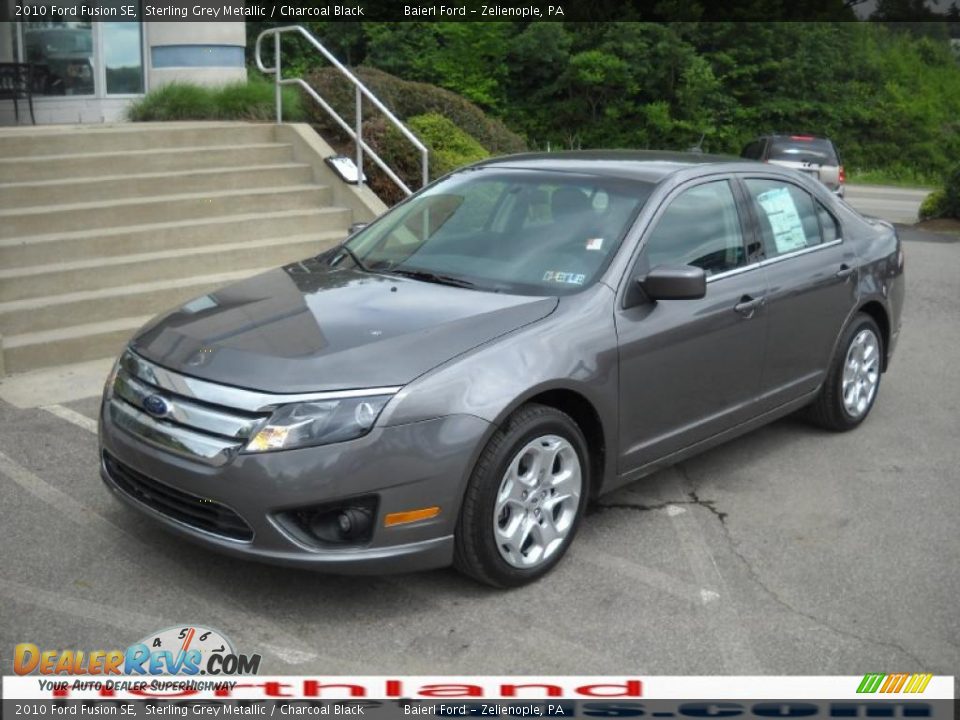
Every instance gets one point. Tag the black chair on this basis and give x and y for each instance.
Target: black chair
(17, 82)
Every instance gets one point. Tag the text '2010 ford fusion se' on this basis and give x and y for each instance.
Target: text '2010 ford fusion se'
(454, 383)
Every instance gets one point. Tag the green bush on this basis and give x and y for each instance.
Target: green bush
(932, 205)
(407, 100)
(951, 194)
(944, 202)
(250, 100)
(450, 147)
(456, 131)
(176, 101)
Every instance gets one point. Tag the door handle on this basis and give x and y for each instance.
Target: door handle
(845, 271)
(748, 305)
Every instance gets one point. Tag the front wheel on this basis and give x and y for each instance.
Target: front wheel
(853, 379)
(524, 500)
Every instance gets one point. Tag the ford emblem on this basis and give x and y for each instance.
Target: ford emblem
(156, 405)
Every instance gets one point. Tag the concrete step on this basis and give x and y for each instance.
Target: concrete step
(62, 140)
(40, 220)
(154, 237)
(130, 162)
(58, 311)
(74, 344)
(113, 187)
(76, 308)
(63, 310)
(101, 273)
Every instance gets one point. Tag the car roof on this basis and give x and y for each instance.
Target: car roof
(796, 136)
(643, 165)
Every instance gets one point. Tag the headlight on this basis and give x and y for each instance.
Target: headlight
(111, 379)
(318, 423)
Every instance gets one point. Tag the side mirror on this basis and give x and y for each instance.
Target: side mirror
(356, 227)
(674, 282)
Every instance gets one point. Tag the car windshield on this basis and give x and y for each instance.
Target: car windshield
(517, 231)
(803, 149)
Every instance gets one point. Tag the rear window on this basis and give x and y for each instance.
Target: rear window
(799, 149)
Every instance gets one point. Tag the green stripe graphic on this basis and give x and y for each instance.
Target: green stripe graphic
(871, 682)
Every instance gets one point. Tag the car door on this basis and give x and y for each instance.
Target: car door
(812, 285)
(691, 368)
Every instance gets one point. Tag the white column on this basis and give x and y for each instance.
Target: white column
(204, 53)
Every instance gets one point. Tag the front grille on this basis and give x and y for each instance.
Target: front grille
(192, 510)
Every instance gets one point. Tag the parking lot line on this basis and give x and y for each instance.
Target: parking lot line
(61, 384)
(72, 416)
(656, 579)
(271, 637)
(135, 623)
(717, 600)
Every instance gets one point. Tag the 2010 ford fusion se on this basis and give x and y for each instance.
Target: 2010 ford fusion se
(453, 383)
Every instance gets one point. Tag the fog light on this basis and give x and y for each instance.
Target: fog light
(344, 522)
(341, 526)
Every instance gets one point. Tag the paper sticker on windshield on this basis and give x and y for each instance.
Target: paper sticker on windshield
(564, 277)
(595, 244)
(784, 219)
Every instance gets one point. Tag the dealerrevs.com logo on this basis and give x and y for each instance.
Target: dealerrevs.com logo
(183, 650)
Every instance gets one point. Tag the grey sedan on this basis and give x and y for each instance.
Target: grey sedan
(456, 381)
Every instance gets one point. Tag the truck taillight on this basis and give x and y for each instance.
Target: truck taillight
(843, 175)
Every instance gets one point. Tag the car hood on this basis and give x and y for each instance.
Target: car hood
(306, 327)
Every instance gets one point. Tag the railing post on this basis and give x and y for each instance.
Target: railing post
(276, 79)
(358, 120)
(361, 90)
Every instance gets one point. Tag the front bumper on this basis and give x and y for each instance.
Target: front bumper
(405, 466)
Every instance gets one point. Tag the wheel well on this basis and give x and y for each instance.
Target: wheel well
(875, 310)
(585, 416)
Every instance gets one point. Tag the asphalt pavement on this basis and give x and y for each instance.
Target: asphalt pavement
(787, 551)
(899, 205)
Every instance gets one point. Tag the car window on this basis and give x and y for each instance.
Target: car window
(530, 232)
(788, 220)
(700, 227)
(803, 148)
(829, 227)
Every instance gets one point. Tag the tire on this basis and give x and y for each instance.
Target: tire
(833, 410)
(514, 530)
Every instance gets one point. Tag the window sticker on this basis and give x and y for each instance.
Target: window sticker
(568, 278)
(784, 219)
(594, 243)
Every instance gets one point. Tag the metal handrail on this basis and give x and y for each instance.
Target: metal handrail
(361, 90)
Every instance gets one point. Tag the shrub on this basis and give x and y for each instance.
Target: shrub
(255, 100)
(944, 202)
(951, 194)
(456, 131)
(250, 100)
(450, 147)
(407, 100)
(176, 101)
(932, 205)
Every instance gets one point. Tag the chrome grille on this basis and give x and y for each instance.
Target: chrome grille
(200, 420)
(188, 426)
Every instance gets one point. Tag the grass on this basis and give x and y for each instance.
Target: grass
(251, 100)
(898, 177)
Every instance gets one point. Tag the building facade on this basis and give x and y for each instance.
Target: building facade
(90, 71)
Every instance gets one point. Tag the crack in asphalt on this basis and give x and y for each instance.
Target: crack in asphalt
(774, 595)
(711, 506)
(640, 507)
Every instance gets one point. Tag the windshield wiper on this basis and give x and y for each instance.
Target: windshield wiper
(433, 277)
(353, 256)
